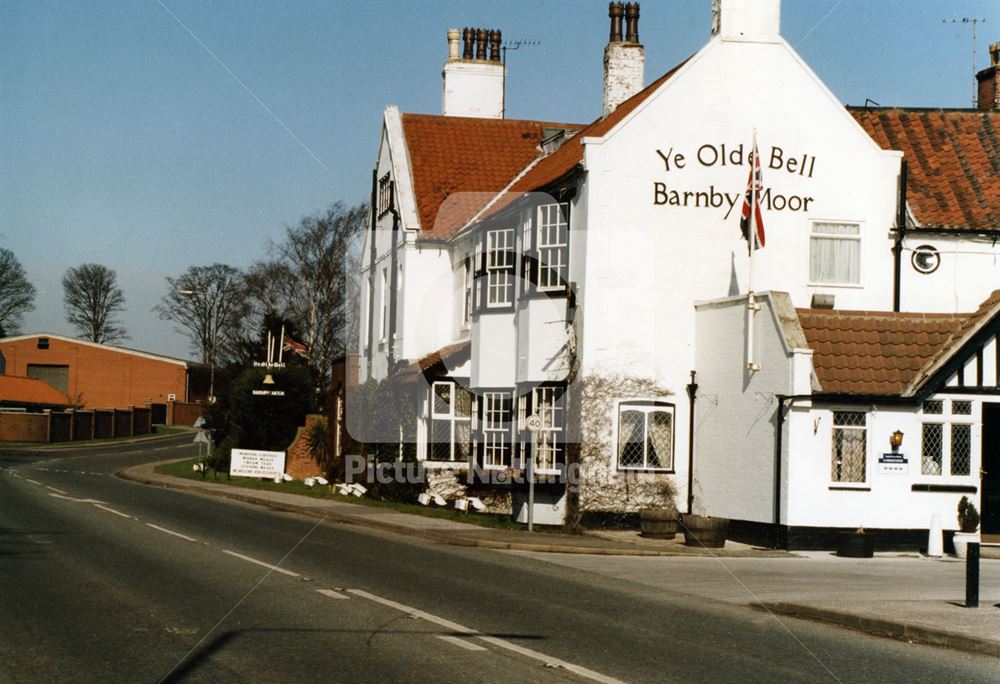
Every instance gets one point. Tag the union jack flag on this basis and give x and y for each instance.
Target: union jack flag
(295, 347)
(752, 199)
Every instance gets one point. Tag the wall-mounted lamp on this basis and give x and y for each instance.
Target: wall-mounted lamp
(896, 440)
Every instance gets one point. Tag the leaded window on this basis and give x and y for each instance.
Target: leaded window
(931, 448)
(849, 448)
(645, 435)
(961, 449)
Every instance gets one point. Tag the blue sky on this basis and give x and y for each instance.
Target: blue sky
(124, 141)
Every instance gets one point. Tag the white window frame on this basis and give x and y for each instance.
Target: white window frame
(452, 418)
(497, 437)
(384, 322)
(550, 439)
(467, 291)
(500, 275)
(645, 407)
(833, 441)
(552, 246)
(816, 235)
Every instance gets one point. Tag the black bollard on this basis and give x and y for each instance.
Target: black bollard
(972, 576)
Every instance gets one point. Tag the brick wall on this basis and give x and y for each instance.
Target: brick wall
(100, 376)
(299, 462)
(24, 427)
(180, 413)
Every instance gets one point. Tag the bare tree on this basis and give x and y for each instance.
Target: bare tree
(92, 298)
(306, 280)
(209, 304)
(17, 295)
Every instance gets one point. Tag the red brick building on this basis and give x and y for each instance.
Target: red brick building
(96, 375)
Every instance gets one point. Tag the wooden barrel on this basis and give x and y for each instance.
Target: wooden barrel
(705, 531)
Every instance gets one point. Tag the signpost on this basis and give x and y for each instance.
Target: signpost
(534, 424)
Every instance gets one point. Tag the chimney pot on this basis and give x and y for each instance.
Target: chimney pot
(632, 22)
(615, 12)
(995, 54)
(467, 38)
(481, 36)
(454, 36)
(495, 45)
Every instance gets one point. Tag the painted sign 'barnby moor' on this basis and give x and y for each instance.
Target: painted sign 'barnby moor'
(710, 155)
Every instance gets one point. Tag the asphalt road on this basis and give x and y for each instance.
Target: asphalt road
(107, 580)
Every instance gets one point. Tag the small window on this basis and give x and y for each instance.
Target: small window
(925, 259)
(933, 407)
(384, 194)
(43, 343)
(931, 448)
(961, 408)
(384, 323)
(835, 253)
(849, 448)
(645, 436)
(467, 292)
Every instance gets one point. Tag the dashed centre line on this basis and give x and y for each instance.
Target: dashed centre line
(248, 559)
(34, 482)
(333, 594)
(70, 498)
(461, 643)
(111, 510)
(176, 534)
(499, 643)
(57, 491)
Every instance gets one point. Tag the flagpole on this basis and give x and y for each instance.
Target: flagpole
(751, 243)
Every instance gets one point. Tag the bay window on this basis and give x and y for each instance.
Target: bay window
(450, 435)
(495, 428)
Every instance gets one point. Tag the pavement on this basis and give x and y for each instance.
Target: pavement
(905, 596)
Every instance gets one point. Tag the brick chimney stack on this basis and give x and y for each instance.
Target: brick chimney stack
(624, 59)
(473, 75)
(989, 81)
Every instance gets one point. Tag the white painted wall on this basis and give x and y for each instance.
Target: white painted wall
(736, 412)
(969, 272)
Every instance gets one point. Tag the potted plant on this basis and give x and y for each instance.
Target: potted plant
(659, 522)
(705, 531)
(968, 524)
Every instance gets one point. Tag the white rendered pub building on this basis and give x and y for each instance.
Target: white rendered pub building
(594, 275)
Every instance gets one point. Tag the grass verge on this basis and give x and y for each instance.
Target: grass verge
(184, 469)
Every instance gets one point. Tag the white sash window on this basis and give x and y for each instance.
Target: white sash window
(835, 253)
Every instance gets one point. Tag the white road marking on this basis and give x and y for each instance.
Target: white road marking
(461, 643)
(70, 498)
(332, 594)
(36, 482)
(262, 563)
(111, 510)
(499, 643)
(176, 534)
(58, 491)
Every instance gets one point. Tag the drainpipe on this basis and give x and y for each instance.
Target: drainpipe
(692, 391)
(897, 249)
(779, 430)
(371, 270)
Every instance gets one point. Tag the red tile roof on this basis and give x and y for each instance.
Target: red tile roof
(874, 352)
(17, 390)
(482, 157)
(451, 155)
(953, 159)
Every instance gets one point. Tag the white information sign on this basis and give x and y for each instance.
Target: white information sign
(251, 463)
